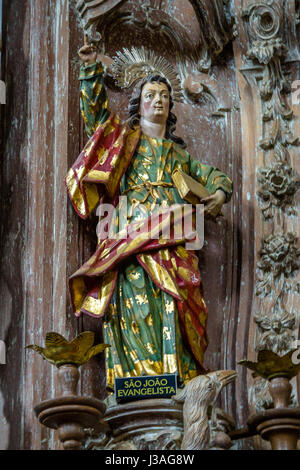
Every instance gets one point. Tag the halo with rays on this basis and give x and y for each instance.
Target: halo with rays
(132, 65)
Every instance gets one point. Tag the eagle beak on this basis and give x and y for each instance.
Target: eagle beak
(227, 376)
(223, 377)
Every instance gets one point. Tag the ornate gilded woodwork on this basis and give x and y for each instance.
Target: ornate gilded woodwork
(59, 351)
(270, 365)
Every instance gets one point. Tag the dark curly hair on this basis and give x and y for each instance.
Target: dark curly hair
(134, 106)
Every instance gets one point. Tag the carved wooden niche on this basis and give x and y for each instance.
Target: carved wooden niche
(195, 36)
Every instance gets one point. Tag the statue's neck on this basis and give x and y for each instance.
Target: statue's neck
(153, 129)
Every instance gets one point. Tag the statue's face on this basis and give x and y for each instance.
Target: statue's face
(155, 102)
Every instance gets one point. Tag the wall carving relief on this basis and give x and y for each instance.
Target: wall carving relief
(90, 12)
(278, 185)
(193, 57)
(214, 18)
(161, 440)
(278, 263)
(277, 180)
(267, 48)
(260, 397)
(276, 332)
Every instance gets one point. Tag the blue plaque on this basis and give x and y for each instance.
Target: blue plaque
(145, 387)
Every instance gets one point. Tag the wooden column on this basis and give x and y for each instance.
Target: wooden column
(34, 219)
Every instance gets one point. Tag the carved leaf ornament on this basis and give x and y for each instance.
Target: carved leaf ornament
(278, 261)
(59, 351)
(276, 331)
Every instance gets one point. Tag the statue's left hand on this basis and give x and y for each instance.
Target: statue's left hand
(214, 202)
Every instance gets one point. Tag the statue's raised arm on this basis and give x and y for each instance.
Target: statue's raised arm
(93, 98)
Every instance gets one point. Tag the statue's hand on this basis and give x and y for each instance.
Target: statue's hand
(214, 202)
(88, 54)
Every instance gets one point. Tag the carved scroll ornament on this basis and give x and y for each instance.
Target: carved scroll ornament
(214, 18)
(90, 11)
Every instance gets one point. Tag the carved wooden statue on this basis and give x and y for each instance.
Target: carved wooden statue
(199, 397)
(147, 288)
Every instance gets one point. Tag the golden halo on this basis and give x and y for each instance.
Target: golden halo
(132, 65)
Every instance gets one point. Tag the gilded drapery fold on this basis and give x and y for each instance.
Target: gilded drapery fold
(100, 166)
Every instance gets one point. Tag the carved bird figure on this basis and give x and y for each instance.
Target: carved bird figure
(199, 396)
(59, 351)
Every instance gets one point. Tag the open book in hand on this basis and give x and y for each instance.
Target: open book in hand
(191, 190)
